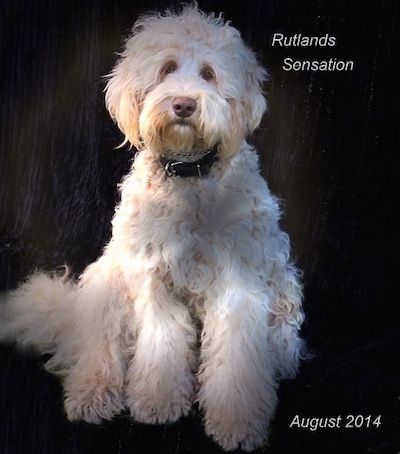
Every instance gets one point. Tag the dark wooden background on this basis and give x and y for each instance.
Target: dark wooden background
(329, 148)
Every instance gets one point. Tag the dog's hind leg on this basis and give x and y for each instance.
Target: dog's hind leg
(94, 383)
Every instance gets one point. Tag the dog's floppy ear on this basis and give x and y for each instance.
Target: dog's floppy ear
(249, 108)
(123, 102)
(254, 101)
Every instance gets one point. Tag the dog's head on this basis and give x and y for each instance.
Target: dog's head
(185, 83)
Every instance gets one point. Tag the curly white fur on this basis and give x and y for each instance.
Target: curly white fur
(194, 297)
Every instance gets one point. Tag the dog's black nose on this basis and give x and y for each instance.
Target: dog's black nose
(183, 106)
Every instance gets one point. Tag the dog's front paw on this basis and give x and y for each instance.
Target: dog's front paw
(160, 409)
(161, 388)
(237, 434)
(237, 415)
(93, 406)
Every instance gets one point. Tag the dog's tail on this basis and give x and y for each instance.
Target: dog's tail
(38, 312)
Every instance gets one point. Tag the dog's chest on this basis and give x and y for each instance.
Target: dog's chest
(199, 214)
(194, 233)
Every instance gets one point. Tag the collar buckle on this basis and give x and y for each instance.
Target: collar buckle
(170, 168)
(198, 168)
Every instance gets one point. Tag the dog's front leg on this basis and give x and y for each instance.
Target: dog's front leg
(160, 378)
(237, 379)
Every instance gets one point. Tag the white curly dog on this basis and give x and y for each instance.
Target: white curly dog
(194, 298)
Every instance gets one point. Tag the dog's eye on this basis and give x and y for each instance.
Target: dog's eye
(169, 68)
(207, 73)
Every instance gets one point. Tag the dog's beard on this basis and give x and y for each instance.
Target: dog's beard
(171, 136)
(181, 137)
